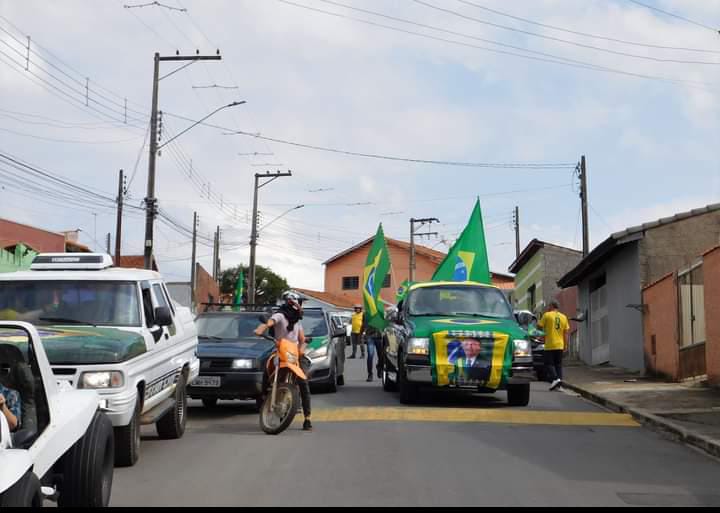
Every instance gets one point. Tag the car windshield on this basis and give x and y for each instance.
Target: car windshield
(314, 324)
(95, 303)
(457, 301)
(227, 327)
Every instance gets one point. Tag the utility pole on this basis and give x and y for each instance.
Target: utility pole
(584, 200)
(414, 235)
(118, 226)
(150, 200)
(109, 235)
(516, 224)
(193, 258)
(268, 177)
(214, 256)
(217, 255)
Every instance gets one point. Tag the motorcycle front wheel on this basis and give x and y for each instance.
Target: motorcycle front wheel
(274, 421)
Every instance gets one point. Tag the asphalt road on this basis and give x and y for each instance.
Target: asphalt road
(448, 451)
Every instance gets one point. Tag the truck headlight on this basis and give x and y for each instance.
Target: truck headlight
(102, 380)
(320, 352)
(419, 346)
(522, 347)
(243, 364)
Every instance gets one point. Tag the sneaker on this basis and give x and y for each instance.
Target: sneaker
(379, 374)
(351, 357)
(555, 385)
(370, 378)
(307, 425)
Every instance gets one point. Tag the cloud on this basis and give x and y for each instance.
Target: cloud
(333, 82)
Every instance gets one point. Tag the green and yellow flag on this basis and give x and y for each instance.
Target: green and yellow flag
(402, 291)
(239, 290)
(468, 258)
(376, 268)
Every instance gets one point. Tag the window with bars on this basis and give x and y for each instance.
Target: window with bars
(351, 283)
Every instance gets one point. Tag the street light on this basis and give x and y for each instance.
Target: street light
(281, 216)
(233, 104)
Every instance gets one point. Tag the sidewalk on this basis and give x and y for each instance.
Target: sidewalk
(688, 412)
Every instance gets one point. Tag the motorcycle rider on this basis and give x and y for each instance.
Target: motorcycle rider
(287, 325)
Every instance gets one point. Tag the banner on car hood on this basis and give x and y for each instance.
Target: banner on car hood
(470, 358)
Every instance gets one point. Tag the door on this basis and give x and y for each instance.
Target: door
(599, 324)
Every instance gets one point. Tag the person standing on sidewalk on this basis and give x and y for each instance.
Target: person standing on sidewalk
(556, 327)
(358, 323)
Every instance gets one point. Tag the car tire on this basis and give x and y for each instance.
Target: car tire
(127, 440)
(172, 425)
(388, 385)
(332, 384)
(26, 493)
(88, 467)
(210, 402)
(408, 392)
(518, 395)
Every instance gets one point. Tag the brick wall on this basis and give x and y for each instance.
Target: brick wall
(662, 357)
(674, 246)
(711, 269)
(206, 289)
(353, 264)
(40, 240)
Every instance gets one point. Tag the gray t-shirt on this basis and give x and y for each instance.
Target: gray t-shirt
(281, 329)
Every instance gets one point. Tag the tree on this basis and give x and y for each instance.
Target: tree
(269, 286)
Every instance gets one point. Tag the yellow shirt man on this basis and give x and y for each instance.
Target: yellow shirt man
(556, 326)
(357, 322)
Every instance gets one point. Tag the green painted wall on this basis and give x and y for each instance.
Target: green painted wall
(531, 274)
(17, 260)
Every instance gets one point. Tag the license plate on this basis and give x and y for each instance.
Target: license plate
(207, 382)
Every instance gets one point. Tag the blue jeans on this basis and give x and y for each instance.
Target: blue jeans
(374, 345)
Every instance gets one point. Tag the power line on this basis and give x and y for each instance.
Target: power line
(667, 13)
(553, 59)
(585, 34)
(555, 39)
(537, 166)
(67, 141)
(157, 4)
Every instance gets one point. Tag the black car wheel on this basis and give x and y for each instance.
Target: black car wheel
(23, 494)
(408, 392)
(88, 467)
(519, 395)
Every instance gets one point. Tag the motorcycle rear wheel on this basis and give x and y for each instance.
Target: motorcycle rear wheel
(274, 421)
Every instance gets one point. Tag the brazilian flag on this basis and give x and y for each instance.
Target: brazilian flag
(239, 290)
(468, 258)
(402, 291)
(376, 268)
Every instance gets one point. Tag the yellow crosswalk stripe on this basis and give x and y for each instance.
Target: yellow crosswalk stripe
(527, 417)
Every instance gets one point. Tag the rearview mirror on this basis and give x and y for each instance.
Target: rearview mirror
(524, 319)
(163, 316)
(392, 315)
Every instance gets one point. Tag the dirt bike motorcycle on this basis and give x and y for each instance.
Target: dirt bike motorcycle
(282, 398)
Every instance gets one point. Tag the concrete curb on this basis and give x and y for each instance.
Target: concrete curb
(653, 421)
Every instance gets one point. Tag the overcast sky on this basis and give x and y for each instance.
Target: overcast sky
(647, 118)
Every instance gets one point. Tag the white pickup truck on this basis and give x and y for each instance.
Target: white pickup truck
(112, 330)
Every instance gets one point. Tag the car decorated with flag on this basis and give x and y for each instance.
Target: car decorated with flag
(454, 335)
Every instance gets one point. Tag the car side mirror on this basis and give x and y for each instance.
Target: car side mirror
(163, 316)
(524, 319)
(393, 316)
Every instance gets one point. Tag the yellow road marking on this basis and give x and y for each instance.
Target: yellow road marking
(529, 417)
